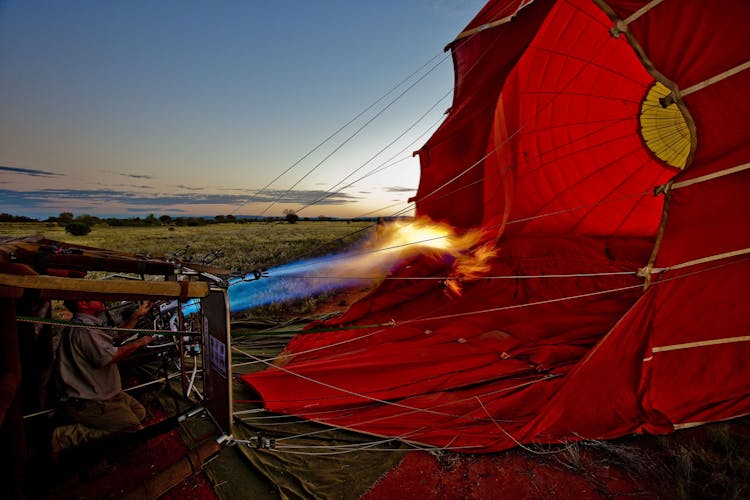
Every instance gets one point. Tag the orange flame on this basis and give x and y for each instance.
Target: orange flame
(471, 265)
(471, 258)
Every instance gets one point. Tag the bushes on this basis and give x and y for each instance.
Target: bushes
(78, 228)
(291, 216)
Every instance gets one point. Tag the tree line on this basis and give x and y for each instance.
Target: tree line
(82, 224)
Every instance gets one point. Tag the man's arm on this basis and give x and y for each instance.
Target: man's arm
(129, 348)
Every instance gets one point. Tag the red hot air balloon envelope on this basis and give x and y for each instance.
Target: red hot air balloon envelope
(603, 147)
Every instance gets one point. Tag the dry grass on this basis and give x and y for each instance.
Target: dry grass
(240, 247)
(704, 462)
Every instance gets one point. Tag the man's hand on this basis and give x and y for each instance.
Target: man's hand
(143, 308)
(137, 314)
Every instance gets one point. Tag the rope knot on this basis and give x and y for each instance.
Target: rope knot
(619, 28)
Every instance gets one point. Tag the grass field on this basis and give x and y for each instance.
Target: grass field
(240, 247)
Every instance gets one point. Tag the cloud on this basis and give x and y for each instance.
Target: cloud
(53, 200)
(317, 197)
(136, 186)
(399, 189)
(188, 188)
(137, 176)
(27, 171)
(137, 211)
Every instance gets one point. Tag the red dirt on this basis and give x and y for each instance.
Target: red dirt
(512, 474)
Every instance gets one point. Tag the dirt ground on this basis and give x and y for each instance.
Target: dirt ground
(706, 462)
(510, 475)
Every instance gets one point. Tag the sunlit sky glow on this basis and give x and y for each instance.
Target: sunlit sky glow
(176, 107)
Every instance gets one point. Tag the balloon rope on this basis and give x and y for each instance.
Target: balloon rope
(621, 26)
(431, 409)
(703, 178)
(353, 135)
(695, 262)
(330, 192)
(269, 361)
(56, 322)
(444, 278)
(714, 79)
(331, 136)
(340, 389)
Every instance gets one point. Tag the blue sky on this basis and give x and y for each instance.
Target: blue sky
(191, 108)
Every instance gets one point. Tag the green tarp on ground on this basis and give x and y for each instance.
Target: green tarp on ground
(309, 460)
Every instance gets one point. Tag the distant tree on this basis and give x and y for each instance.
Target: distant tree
(291, 216)
(5, 217)
(165, 219)
(196, 221)
(77, 228)
(220, 218)
(151, 220)
(89, 220)
(231, 218)
(65, 217)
